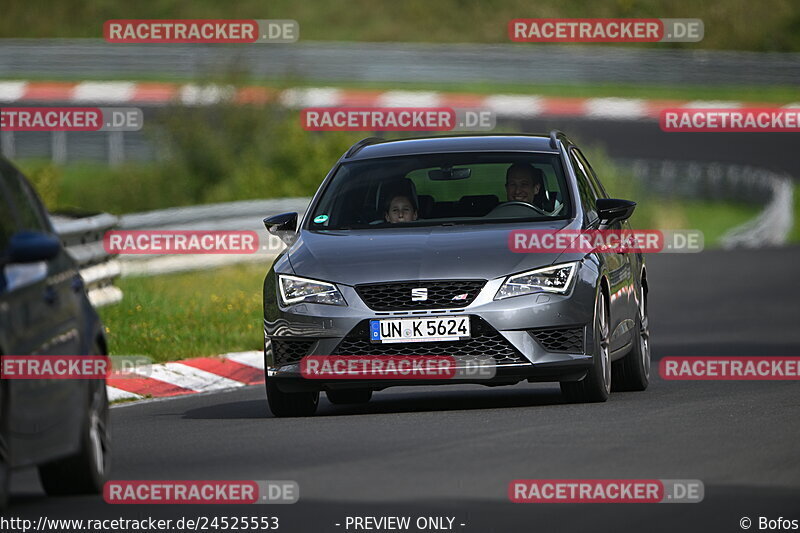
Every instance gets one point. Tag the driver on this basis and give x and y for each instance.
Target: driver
(525, 183)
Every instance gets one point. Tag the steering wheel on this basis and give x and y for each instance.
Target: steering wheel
(516, 203)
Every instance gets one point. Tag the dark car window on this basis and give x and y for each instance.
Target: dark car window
(25, 203)
(588, 195)
(7, 225)
(444, 189)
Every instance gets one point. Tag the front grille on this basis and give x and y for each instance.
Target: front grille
(560, 339)
(396, 296)
(289, 351)
(485, 341)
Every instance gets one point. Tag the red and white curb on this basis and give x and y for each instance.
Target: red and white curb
(189, 376)
(503, 105)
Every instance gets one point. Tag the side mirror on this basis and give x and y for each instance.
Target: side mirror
(283, 226)
(612, 210)
(32, 246)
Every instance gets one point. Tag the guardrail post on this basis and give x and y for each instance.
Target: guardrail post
(83, 240)
(116, 148)
(58, 147)
(7, 144)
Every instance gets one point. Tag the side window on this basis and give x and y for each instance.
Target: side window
(7, 224)
(596, 185)
(23, 200)
(588, 196)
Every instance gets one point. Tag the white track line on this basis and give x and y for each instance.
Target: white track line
(115, 394)
(409, 99)
(11, 91)
(188, 377)
(620, 108)
(204, 95)
(254, 359)
(310, 97)
(514, 105)
(113, 92)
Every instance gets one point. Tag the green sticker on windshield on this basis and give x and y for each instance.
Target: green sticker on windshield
(320, 219)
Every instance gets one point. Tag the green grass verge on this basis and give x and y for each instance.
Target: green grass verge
(183, 315)
(734, 24)
(773, 94)
(717, 218)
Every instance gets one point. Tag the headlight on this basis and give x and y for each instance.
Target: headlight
(295, 290)
(550, 279)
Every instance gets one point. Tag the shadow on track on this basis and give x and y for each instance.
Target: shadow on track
(390, 402)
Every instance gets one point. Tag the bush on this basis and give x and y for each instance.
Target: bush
(218, 154)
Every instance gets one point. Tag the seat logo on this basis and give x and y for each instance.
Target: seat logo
(419, 294)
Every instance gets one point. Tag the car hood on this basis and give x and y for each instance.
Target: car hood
(435, 252)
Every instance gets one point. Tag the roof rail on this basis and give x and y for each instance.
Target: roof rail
(554, 135)
(361, 144)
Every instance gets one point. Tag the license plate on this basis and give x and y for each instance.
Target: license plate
(430, 329)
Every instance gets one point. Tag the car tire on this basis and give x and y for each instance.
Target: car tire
(5, 453)
(290, 404)
(596, 385)
(632, 373)
(344, 397)
(5, 476)
(86, 471)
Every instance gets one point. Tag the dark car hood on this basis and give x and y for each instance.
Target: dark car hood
(435, 252)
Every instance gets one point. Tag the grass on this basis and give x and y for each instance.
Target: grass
(713, 219)
(767, 94)
(183, 315)
(769, 25)
(219, 154)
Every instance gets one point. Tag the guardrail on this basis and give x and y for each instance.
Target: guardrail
(399, 62)
(241, 216)
(716, 181)
(83, 240)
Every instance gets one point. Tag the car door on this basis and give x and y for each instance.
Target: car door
(617, 264)
(39, 316)
(625, 294)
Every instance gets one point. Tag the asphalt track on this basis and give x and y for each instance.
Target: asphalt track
(644, 139)
(451, 451)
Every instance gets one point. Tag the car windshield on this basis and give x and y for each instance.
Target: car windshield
(443, 189)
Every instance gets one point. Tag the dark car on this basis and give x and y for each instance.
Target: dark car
(412, 235)
(59, 425)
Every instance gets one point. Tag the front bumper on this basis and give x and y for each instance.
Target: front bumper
(538, 337)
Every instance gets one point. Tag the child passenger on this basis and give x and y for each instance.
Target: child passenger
(401, 209)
